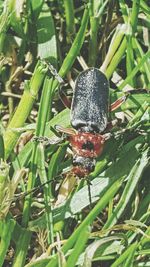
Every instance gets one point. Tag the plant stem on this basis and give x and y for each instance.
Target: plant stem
(94, 22)
(69, 15)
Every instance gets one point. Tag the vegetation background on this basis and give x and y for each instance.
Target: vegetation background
(46, 218)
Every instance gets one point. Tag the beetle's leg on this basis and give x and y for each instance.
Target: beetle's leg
(54, 72)
(111, 124)
(47, 140)
(67, 131)
(65, 100)
(122, 99)
(63, 97)
(118, 103)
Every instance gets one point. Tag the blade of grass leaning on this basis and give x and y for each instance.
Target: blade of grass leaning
(129, 252)
(24, 108)
(133, 179)
(135, 70)
(88, 220)
(78, 248)
(96, 250)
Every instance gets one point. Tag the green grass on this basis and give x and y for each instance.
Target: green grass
(53, 226)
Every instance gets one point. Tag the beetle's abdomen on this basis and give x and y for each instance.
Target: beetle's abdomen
(89, 108)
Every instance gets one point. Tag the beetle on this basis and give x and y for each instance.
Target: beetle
(89, 119)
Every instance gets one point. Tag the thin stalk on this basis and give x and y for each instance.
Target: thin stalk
(94, 20)
(45, 107)
(70, 21)
(134, 15)
(91, 7)
(130, 60)
(99, 11)
(93, 47)
(47, 193)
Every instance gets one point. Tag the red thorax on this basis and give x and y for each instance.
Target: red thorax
(87, 144)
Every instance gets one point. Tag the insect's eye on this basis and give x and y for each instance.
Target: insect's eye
(88, 145)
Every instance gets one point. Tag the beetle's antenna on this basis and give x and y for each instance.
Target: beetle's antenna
(55, 73)
(33, 190)
(89, 191)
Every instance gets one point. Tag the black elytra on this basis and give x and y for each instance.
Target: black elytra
(89, 109)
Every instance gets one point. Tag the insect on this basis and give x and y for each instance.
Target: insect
(89, 119)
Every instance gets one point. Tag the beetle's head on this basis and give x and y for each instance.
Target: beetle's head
(82, 166)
